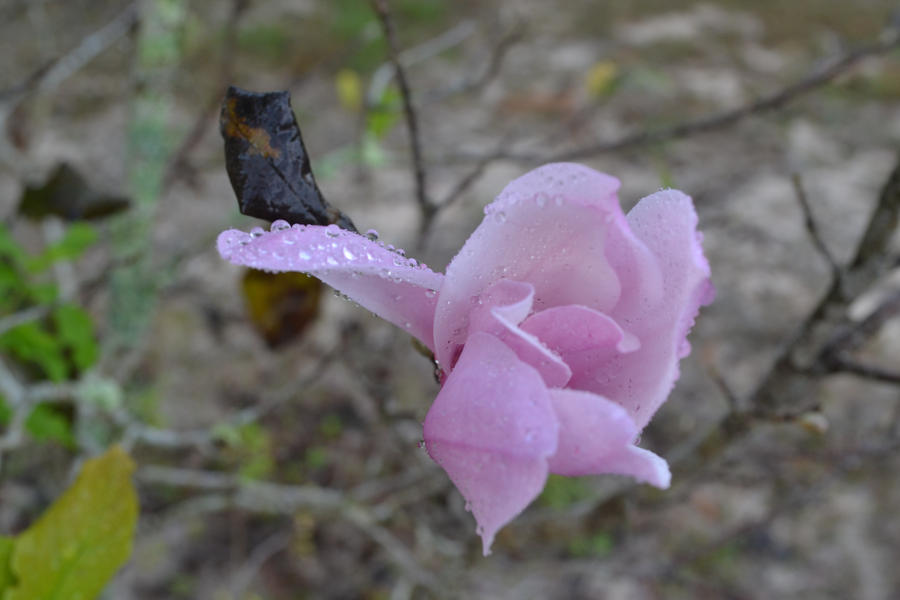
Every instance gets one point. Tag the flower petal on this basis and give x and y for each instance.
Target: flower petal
(596, 436)
(499, 310)
(549, 228)
(581, 336)
(641, 381)
(388, 284)
(492, 428)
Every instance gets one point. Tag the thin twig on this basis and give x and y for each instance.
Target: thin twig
(874, 372)
(209, 114)
(811, 227)
(475, 80)
(411, 56)
(818, 78)
(23, 316)
(269, 547)
(851, 338)
(49, 76)
(427, 210)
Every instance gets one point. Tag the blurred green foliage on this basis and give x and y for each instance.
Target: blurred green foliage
(57, 345)
(80, 541)
(48, 423)
(560, 492)
(597, 545)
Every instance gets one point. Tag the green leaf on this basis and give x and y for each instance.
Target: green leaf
(31, 344)
(5, 414)
(80, 542)
(76, 332)
(78, 238)
(46, 423)
(6, 576)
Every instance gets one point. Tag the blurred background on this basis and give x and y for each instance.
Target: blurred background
(275, 427)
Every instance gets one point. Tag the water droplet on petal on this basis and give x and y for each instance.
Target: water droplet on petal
(279, 225)
(349, 255)
(372, 234)
(331, 261)
(256, 232)
(430, 293)
(288, 240)
(304, 255)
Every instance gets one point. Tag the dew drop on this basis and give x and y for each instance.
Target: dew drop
(369, 256)
(287, 240)
(304, 255)
(279, 225)
(372, 234)
(331, 233)
(331, 261)
(256, 232)
(349, 255)
(430, 293)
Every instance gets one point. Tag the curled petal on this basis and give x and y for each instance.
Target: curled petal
(640, 381)
(492, 429)
(581, 336)
(388, 284)
(499, 310)
(596, 436)
(549, 228)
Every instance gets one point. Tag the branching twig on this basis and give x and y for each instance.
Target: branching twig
(876, 373)
(274, 498)
(816, 79)
(811, 227)
(49, 76)
(23, 316)
(427, 210)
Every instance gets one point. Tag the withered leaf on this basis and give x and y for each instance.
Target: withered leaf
(67, 194)
(267, 162)
(280, 305)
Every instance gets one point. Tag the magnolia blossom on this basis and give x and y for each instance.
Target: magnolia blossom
(558, 327)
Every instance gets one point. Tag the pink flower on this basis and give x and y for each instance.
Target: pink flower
(559, 327)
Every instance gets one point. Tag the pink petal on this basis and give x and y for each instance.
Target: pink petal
(492, 428)
(581, 336)
(641, 381)
(549, 228)
(499, 310)
(596, 436)
(391, 286)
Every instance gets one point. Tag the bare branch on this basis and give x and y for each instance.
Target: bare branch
(23, 316)
(816, 79)
(49, 76)
(811, 227)
(427, 210)
(851, 338)
(876, 373)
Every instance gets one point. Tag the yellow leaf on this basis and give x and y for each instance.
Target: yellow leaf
(80, 542)
(349, 89)
(600, 78)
